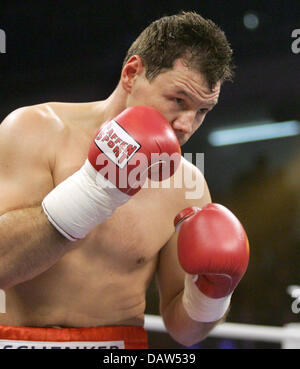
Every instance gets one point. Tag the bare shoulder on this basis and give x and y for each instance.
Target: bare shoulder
(40, 118)
(29, 138)
(32, 130)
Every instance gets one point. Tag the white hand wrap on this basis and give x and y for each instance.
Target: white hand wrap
(201, 307)
(82, 201)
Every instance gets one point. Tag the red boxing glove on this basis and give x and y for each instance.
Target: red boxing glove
(213, 245)
(138, 143)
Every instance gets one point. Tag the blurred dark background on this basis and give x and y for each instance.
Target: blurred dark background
(72, 51)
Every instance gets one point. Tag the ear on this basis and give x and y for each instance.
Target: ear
(133, 68)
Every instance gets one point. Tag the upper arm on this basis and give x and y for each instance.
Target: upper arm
(170, 275)
(25, 158)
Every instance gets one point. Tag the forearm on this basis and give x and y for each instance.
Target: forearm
(29, 245)
(181, 327)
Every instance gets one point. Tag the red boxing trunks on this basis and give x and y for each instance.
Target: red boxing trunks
(114, 337)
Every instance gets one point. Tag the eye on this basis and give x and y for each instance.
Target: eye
(177, 100)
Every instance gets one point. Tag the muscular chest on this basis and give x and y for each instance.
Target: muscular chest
(134, 234)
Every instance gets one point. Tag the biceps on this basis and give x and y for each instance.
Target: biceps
(23, 191)
(24, 178)
(25, 175)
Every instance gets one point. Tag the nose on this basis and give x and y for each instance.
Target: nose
(184, 122)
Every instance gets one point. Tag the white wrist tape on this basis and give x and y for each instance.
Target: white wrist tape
(82, 201)
(201, 307)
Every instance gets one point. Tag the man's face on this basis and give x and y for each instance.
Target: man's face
(181, 94)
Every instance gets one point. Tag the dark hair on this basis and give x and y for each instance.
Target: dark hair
(200, 42)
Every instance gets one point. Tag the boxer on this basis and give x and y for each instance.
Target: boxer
(82, 234)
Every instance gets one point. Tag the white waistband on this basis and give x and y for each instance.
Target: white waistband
(11, 344)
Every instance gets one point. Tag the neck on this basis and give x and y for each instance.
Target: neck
(113, 105)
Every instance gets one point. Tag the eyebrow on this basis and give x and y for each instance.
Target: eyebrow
(182, 92)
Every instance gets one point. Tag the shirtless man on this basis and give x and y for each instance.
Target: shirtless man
(69, 282)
